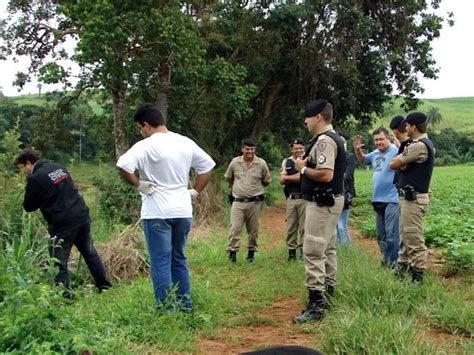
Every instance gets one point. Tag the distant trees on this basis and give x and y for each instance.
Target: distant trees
(434, 116)
(453, 147)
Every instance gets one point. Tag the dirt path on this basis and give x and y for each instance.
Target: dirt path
(279, 329)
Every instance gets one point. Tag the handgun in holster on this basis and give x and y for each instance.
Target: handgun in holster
(409, 193)
(324, 196)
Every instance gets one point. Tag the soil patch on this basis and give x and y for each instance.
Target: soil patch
(274, 327)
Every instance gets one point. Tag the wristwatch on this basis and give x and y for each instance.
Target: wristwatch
(303, 170)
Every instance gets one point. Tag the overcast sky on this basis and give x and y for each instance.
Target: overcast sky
(452, 52)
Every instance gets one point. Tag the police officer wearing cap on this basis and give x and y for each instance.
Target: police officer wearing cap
(398, 127)
(248, 175)
(295, 205)
(415, 165)
(322, 173)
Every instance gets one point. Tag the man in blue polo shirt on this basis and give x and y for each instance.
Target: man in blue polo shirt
(384, 193)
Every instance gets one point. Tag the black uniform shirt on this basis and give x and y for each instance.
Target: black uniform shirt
(51, 189)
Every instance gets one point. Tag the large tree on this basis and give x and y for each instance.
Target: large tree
(351, 52)
(118, 43)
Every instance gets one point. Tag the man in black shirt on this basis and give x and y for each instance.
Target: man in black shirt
(50, 188)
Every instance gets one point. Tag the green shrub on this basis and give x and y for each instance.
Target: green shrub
(118, 202)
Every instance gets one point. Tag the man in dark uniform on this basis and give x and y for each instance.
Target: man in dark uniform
(415, 165)
(322, 175)
(50, 188)
(295, 205)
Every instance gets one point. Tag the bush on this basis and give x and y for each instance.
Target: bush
(118, 202)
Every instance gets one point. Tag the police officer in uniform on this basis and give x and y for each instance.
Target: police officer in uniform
(322, 174)
(415, 165)
(295, 205)
(248, 175)
(398, 127)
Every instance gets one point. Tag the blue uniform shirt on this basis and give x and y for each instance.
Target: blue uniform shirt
(383, 188)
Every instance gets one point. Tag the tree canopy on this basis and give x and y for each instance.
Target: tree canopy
(222, 70)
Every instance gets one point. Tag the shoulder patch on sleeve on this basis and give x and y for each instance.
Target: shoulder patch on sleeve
(321, 159)
(321, 145)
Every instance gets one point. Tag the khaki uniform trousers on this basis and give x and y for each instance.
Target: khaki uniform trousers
(413, 250)
(320, 262)
(247, 213)
(295, 214)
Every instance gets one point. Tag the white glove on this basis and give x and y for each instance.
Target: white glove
(193, 193)
(146, 187)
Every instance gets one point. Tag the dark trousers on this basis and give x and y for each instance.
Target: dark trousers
(82, 239)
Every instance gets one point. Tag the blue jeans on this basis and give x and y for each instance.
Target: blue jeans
(342, 236)
(388, 233)
(166, 240)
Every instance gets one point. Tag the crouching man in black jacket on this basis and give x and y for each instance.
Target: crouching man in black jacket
(50, 188)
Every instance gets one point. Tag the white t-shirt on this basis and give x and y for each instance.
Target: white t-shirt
(166, 159)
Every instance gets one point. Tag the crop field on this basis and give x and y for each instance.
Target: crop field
(450, 219)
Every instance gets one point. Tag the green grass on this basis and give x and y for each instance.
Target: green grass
(457, 112)
(451, 212)
(372, 312)
(40, 100)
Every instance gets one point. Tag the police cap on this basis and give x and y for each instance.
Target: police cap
(415, 118)
(249, 142)
(396, 122)
(297, 141)
(315, 107)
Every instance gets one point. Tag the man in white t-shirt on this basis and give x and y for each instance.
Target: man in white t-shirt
(163, 160)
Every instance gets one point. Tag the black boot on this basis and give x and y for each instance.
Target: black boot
(315, 310)
(329, 294)
(250, 256)
(232, 256)
(402, 270)
(417, 277)
(291, 254)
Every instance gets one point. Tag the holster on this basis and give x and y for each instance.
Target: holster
(324, 197)
(408, 192)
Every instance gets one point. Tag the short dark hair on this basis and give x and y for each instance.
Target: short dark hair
(422, 127)
(150, 114)
(402, 128)
(27, 155)
(380, 130)
(326, 113)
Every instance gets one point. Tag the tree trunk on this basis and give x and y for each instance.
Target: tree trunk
(163, 85)
(120, 136)
(265, 118)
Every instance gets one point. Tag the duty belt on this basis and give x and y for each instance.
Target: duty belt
(295, 196)
(313, 198)
(250, 199)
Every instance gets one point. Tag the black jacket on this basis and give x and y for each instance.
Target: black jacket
(51, 189)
